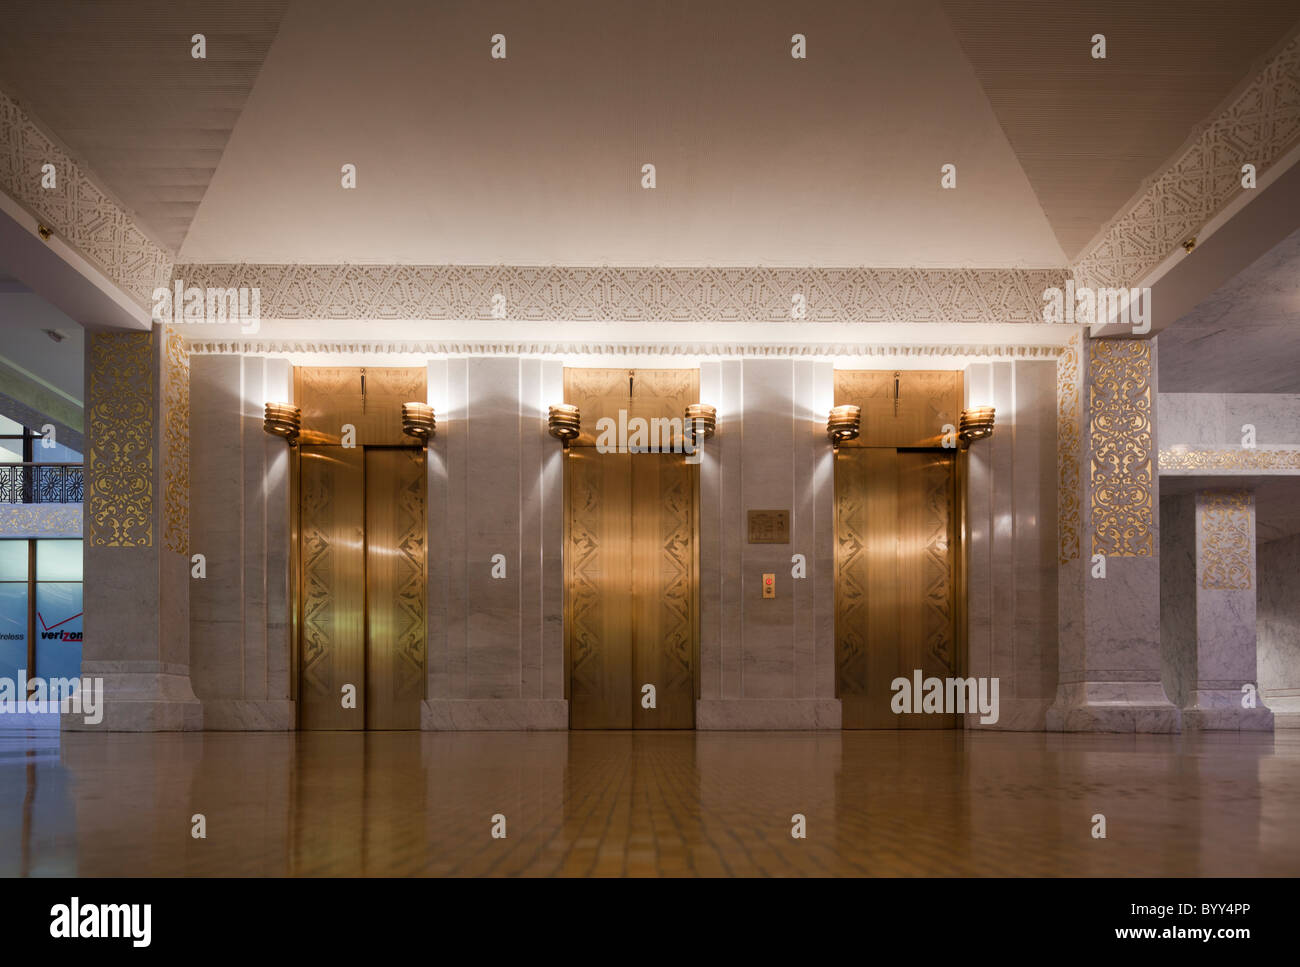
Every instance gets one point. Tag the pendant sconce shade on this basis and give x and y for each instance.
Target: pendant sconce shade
(701, 422)
(976, 424)
(283, 420)
(564, 422)
(418, 421)
(844, 423)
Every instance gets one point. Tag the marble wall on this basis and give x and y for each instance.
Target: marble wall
(239, 520)
(767, 663)
(1278, 623)
(1217, 419)
(1011, 540)
(1178, 596)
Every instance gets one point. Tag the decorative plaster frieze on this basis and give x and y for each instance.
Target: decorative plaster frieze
(40, 520)
(210, 347)
(636, 294)
(79, 212)
(1258, 127)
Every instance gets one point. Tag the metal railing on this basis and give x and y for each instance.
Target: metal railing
(42, 483)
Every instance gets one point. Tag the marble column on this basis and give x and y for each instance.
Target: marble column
(1011, 533)
(1224, 656)
(137, 566)
(1278, 570)
(496, 487)
(767, 663)
(241, 664)
(1110, 668)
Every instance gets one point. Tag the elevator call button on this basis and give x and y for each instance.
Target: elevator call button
(769, 585)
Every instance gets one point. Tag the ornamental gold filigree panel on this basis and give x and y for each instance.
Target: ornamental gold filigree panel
(1226, 543)
(1229, 459)
(119, 457)
(1120, 447)
(1068, 433)
(176, 440)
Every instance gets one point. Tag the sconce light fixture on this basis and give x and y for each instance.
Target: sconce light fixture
(564, 422)
(283, 420)
(844, 423)
(418, 421)
(701, 422)
(976, 424)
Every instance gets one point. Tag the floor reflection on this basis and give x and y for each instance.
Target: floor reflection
(647, 804)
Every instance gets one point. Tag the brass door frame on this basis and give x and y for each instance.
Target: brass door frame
(386, 385)
(585, 386)
(846, 381)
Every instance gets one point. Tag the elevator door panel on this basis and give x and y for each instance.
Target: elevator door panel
(395, 587)
(599, 583)
(895, 587)
(663, 589)
(333, 587)
(631, 589)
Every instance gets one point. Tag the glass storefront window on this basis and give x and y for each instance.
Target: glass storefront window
(13, 560)
(13, 628)
(58, 560)
(58, 630)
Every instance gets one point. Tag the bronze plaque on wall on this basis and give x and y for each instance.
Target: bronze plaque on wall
(769, 527)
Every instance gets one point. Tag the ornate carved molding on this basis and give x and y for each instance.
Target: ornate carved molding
(219, 347)
(1226, 540)
(1120, 447)
(1234, 460)
(1069, 434)
(120, 423)
(635, 294)
(176, 440)
(1258, 127)
(80, 213)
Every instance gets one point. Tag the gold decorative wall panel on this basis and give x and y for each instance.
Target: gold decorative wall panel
(120, 440)
(645, 393)
(1226, 540)
(895, 579)
(1244, 459)
(1068, 433)
(900, 409)
(1121, 458)
(176, 444)
(369, 398)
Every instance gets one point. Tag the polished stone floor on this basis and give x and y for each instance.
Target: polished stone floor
(666, 803)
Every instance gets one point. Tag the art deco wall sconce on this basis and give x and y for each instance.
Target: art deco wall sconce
(844, 423)
(283, 420)
(418, 421)
(976, 424)
(701, 422)
(564, 422)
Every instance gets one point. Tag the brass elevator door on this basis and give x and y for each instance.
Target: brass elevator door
(631, 589)
(895, 580)
(363, 573)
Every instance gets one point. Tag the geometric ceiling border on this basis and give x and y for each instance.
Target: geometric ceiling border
(635, 294)
(1259, 127)
(217, 347)
(77, 209)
